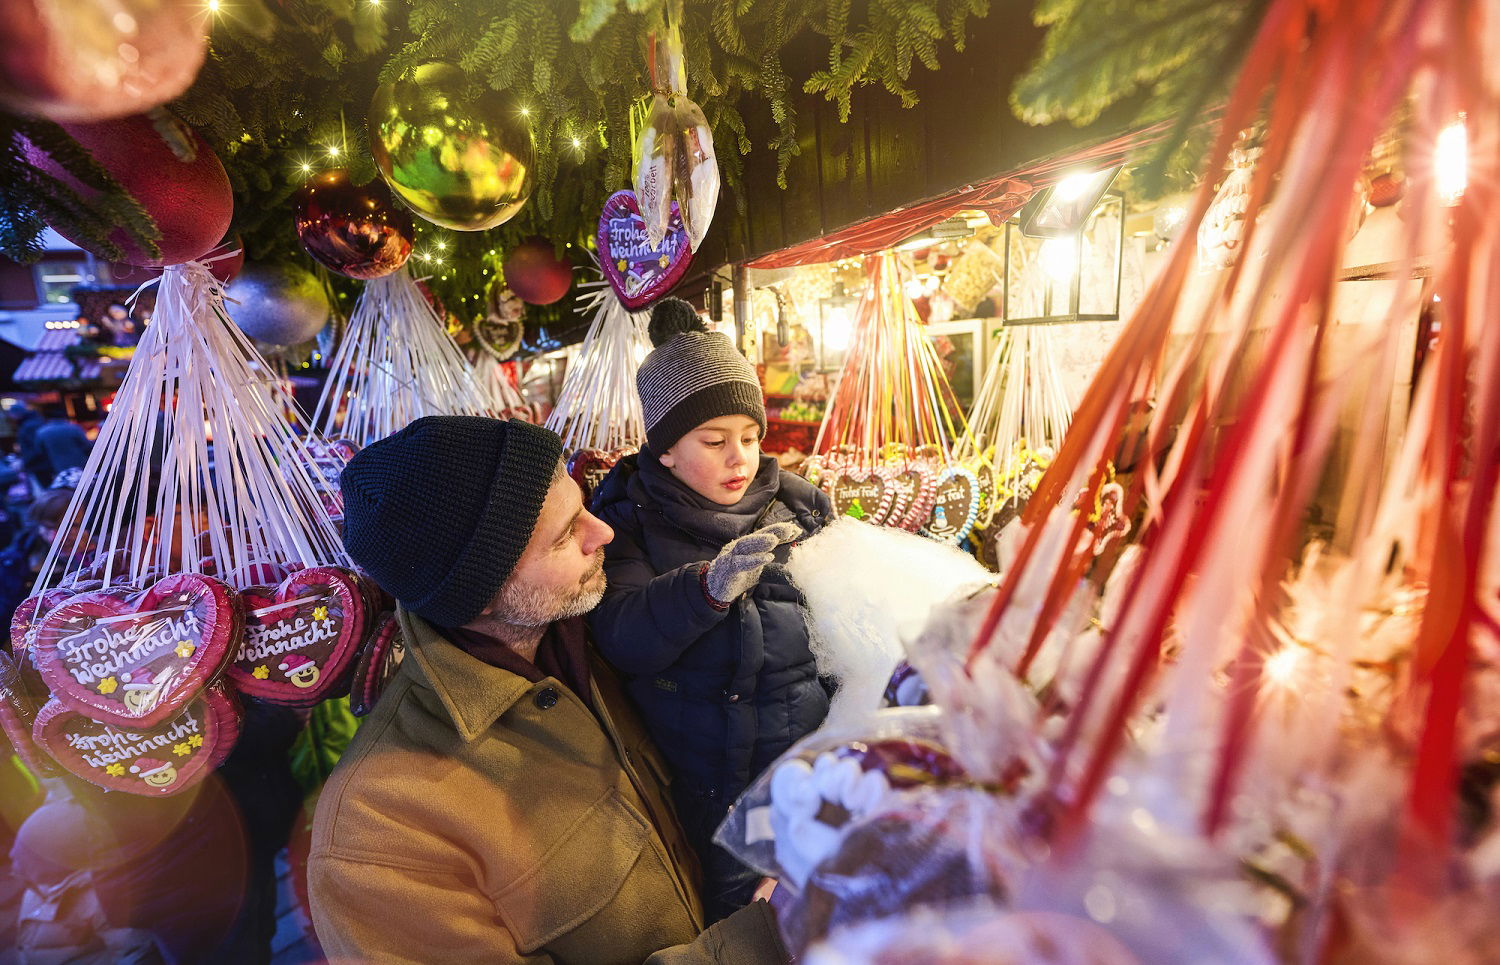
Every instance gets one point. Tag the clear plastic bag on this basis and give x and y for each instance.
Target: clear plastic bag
(980, 931)
(797, 810)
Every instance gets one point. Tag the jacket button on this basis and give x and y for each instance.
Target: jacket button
(734, 698)
(546, 698)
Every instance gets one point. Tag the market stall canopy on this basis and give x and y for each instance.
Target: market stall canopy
(999, 197)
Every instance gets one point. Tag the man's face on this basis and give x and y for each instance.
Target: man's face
(561, 572)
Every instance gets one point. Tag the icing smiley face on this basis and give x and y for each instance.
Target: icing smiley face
(300, 671)
(158, 775)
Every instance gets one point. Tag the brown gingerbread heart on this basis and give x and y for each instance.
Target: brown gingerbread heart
(956, 506)
(21, 691)
(859, 493)
(588, 467)
(301, 637)
(377, 664)
(134, 660)
(153, 761)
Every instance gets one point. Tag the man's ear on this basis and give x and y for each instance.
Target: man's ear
(667, 459)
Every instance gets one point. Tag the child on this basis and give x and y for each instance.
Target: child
(698, 616)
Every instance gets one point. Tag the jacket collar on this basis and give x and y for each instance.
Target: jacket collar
(473, 693)
(653, 484)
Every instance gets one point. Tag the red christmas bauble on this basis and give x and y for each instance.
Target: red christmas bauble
(356, 230)
(1386, 190)
(226, 267)
(533, 271)
(78, 60)
(190, 201)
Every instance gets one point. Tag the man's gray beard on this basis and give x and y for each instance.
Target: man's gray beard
(530, 606)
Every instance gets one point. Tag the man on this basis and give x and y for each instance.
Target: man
(501, 803)
(49, 442)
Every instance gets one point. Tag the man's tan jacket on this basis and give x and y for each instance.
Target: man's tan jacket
(478, 817)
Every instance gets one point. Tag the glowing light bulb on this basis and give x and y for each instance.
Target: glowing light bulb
(1059, 258)
(525, 112)
(333, 150)
(213, 6)
(1282, 667)
(442, 246)
(1073, 186)
(837, 330)
(577, 143)
(1450, 162)
(306, 167)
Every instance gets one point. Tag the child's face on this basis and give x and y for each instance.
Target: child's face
(718, 459)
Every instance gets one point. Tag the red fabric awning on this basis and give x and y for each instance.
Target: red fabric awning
(999, 197)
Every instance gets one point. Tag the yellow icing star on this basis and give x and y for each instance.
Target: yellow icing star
(320, 613)
(182, 749)
(195, 740)
(185, 649)
(620, 264)
(261, 672)
(108, 685)
(115, 770)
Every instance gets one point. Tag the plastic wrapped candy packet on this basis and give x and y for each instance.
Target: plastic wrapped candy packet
(869, 822)
(21, 692)
(793, 815)
(990, 719)
(303, 631)
(376, 665)
(934, 846)
(983, 931)
(675, 155)
(134, 659)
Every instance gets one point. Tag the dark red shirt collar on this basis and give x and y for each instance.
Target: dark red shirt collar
(562, 655)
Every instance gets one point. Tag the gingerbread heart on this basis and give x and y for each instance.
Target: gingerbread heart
(377, 664)
(638, 272)
(301, 637)
(23, 621)
(155, 761)
(134, 660)
(20, 691)
(117, 564)
(917, 487)
(588, 467)
(989, 499)
(901, 493)
(955, 506)
(859, 494)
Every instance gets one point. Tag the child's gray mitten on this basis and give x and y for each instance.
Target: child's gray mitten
(738, 566)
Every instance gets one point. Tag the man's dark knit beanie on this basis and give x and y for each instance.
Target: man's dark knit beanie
(693, 375)
(440, 512)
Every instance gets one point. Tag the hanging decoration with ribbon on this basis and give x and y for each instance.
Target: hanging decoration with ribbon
(674, 153)
(197, 558)
(598, 412)
(397, 363)
(893, 423)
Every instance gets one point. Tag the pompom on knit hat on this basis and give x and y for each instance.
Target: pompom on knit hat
(440, 512)
(691, 376)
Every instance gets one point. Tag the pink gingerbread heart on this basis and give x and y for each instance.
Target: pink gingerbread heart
(134, 660)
